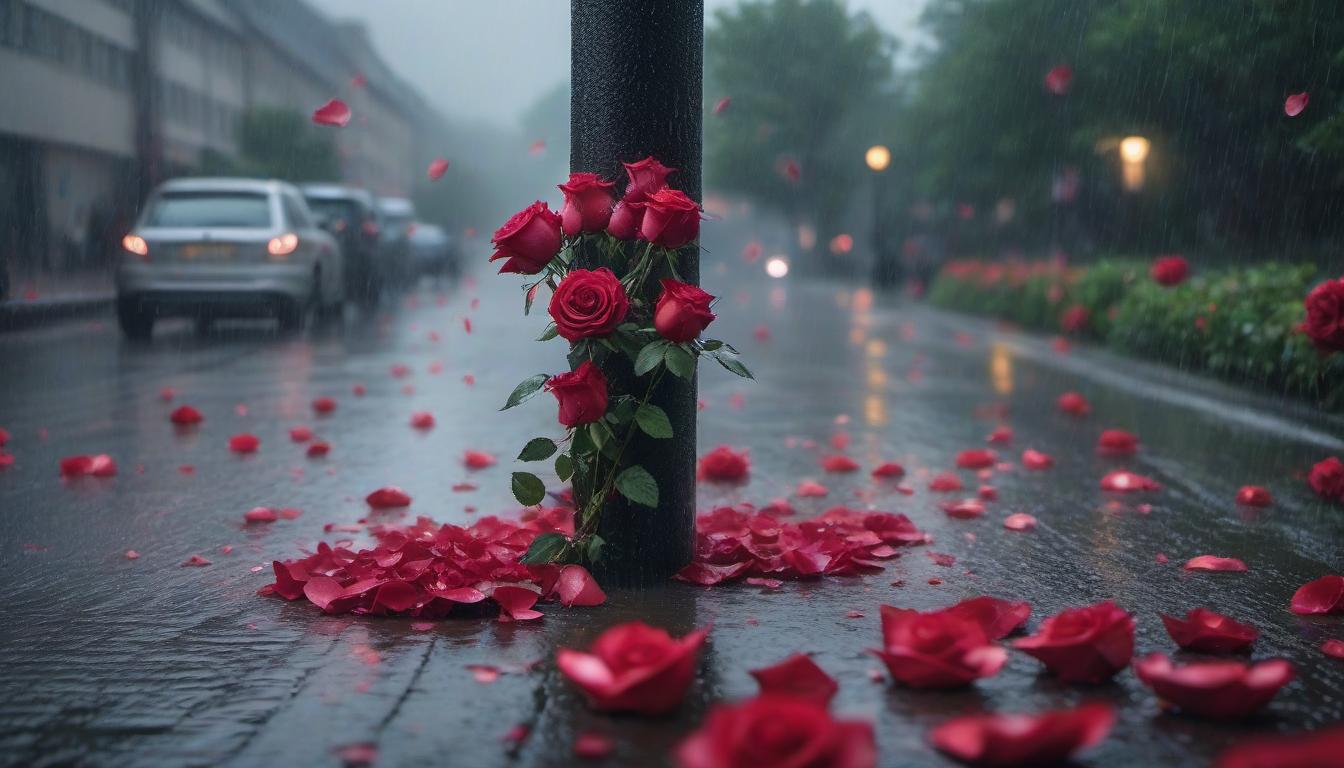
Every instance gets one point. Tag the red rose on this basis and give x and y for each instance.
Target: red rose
(682, 311)
(1327, 479)
(937, 649)
(1208, 632)
(671, 219)
(1300, 750)
(1047, 738)
(1325, 316)
(1170, 270)
(582, 394)
(634, 668)
(646, 177)
(772, 731)
(528, 240)
(723, 465)
(588, 303)
(1083, 645)
(587, 203)
(1074, 319)
(1220, 689)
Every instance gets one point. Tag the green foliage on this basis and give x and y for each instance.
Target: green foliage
(538, 449)
(525, 390)
(528, 489)
(284, 144)
(636, 484)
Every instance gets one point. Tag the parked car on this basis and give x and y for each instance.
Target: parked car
(209, 248)
(398, 217)
(351, 215)
(433, 251)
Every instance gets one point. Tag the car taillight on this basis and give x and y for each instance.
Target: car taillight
(283, 245)
(136, 245)
(371, 228)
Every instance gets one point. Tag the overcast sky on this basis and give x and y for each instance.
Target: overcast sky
(490, 59)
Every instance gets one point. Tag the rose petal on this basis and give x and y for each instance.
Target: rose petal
(576, 586)
(437, 167)
(334, 113)
(797, 676)
(388, 497)
(1213, 563)
(244, 443)
(1295, 103)
(1019, 521)
(1324, 595)
(477, 459)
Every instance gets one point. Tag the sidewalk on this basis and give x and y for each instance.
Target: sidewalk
(44, 297)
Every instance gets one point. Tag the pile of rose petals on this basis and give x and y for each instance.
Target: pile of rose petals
(426, 570)
(733, 543)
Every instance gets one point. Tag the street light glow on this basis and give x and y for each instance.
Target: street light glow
(878, 158)
(1134, 149)
(777, 266)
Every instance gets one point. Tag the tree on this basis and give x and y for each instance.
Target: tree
(283, 144)
(800, 74)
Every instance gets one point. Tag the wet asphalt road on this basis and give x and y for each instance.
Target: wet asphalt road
(110, 661)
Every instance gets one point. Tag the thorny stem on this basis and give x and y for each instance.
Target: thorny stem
(593, 514)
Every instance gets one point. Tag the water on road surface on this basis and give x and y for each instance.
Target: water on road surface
(117, 661)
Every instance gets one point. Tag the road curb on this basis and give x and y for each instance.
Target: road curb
(26, 314)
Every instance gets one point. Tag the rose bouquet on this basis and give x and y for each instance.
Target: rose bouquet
(618, 298)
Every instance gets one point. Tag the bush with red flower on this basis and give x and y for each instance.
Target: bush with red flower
(619, 300)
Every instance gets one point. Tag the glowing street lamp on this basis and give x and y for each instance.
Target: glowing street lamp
(878, 158)
(1133, 153)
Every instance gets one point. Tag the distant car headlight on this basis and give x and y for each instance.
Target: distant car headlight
(282, 246)
(136, 245)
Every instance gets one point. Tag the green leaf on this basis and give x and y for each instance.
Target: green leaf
(649, 357)
(546, 548)
(528, 489)
(525, 390)
(679, 361)
(583, 443)
(637, 485)
(564, 467)
(549, 333)
(622, 411)
(709, 345)
(538, 448)
(594, 548)
(731, 362)
(653, 420)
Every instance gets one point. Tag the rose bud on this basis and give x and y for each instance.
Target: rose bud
(682, 311)
(671, 219)
(724, 465)
(1220, 689)
(1083, 645)
(1325, 316)
(1208, 632)
(646, 177)
(588, 303)
(587, 203)
(774, 730)
(582, 394)
(1048, 738)
(937, 649)
(625, 221)
(1170, 270)
(634, 668)
(528, 240)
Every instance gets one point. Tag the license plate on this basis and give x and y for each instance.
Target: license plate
(207, 251)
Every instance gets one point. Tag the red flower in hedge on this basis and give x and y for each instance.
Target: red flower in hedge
(634, 668)
(671, 219)
(1325, 316)
(1208, 632)
(582, 394)
(1220, 689)
(1083, 645)
(1117, 442)
(1324, 595)
(724, 465)
(1327, 479)
(937, 649)
(587, 205)
(1170, 270)
(775, 732)
(588, 303)
(528, 240)
(682, 311)
(1300, 750)
(1046, 738)
(798, 676)
(1074, 319)
(1058, 79)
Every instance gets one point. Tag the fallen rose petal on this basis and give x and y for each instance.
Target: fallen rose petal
(388, 497)
(634, 668)
(1001, 435)
(1117, 442)
(987, 492)
(324, 405)
(976, 458)
(1083, 645)
(1074, 404)
(1019, 521)
(1004, 740)
(185, 416)
(300, 434)
(1218, 689)
(357, 755)
(318, 449)
(945, 482)
(999, 618)
(515, 603)
(1208, 632)
(1333, 647)
(839, 463)
(777, 732)
(936, 649)
(1213, 563)
(939, 558)
(477, 459)
(1254, 496)
(1295, 103)
(1035, 460)
(437, 167)
(1121, 481)
(811, 489)
(593, 746)
(260, 515)
(334, 113)
(722, 104)
(484, 673)
(965, 509)
(195, 561)
(131, 554)
(724, 465)
(1318, 749)
(423, 420)
(757, 581)
(244, 443)
(576, 586)
(797, 676)
(1322, 596)
(322, 591)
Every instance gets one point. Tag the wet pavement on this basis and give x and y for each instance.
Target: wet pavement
(112, 661)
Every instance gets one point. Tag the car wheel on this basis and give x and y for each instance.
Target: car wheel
(136, 323)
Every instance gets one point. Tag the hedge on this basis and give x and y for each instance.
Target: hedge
(1240, 324)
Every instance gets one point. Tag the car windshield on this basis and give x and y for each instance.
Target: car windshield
(211, 209)
(334, 209)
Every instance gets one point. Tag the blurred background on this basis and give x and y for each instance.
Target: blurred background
(871, 139)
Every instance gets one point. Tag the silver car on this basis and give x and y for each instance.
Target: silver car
(208, 248)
